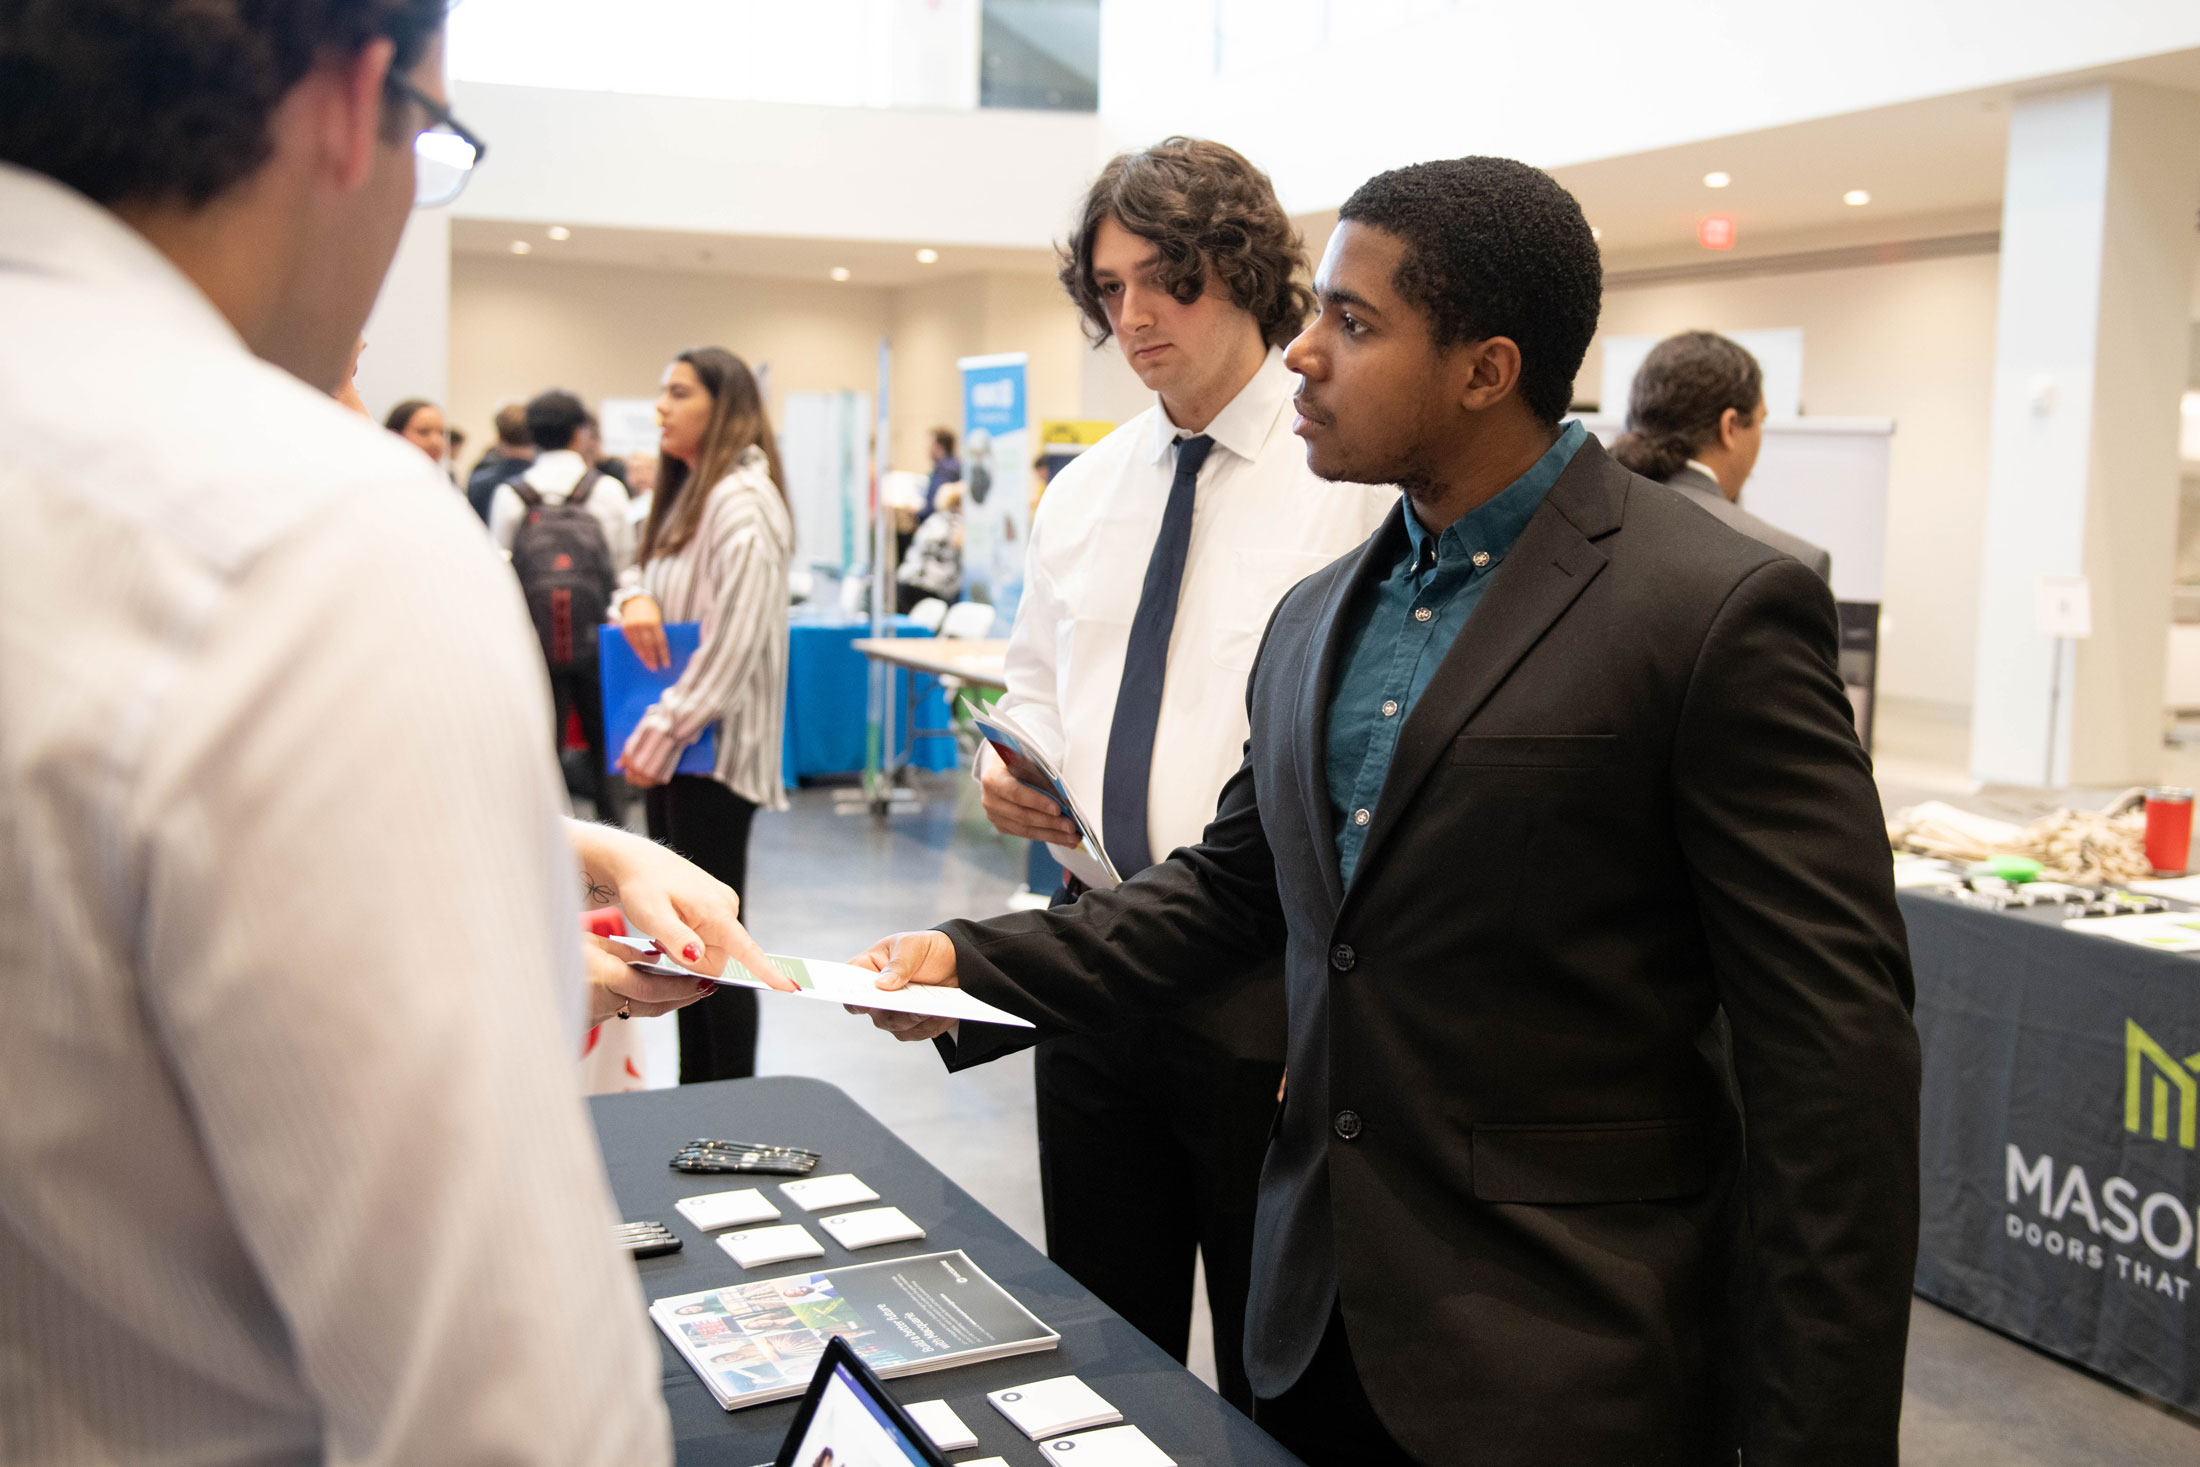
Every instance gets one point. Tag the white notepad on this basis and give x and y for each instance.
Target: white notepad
(940, 1423)
(842, 1189)
(1051, 1407)
(984, 1462)
(871, 1227)
(759, 1246)
(736, 1209)
(1118, 1446)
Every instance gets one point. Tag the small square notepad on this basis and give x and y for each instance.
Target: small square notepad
(759, 1246)
(815, 1194)
(1050, 1407)
(1118, 1446)
(940, 1423)
(737, 1209)
(871, 1227)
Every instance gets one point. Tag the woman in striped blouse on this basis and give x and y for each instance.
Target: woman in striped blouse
(715, 549)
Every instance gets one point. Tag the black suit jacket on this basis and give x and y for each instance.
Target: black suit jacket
(1630, 798)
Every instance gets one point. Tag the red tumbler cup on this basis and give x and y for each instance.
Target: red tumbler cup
(2169, 830)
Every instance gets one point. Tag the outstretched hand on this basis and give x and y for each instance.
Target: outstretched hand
(691, 914)
(905, 958)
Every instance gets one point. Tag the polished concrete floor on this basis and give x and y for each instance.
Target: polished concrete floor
(827, 884)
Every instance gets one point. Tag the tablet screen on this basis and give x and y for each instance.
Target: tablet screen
(847, 1423)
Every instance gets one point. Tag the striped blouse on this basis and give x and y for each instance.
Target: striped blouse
(731, 577)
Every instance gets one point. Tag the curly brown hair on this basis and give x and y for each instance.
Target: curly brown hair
(1681, 392)
(161, 101)
(1205, 208)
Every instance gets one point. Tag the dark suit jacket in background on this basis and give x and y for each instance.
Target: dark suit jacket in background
(1630, 796)
(1700, 489)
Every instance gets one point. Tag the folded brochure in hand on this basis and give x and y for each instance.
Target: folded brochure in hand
(1026, 759)
(834, 983)
(759, 1342)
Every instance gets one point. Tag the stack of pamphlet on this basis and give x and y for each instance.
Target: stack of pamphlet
(759, 1342)
(1026, 759)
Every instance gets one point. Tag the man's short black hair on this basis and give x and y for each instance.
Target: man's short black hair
(553, 418)
(1494, 248)
(168, 101)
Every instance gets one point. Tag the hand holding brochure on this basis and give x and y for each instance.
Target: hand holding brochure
(1088, 860)
(834, 983)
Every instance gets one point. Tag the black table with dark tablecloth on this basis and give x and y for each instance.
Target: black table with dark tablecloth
(640, 1132)
(2061, 1112)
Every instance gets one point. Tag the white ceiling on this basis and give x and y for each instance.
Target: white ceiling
(1933, 168)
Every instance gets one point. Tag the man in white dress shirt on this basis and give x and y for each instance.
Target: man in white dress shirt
(292, 1169)
(1154, 561)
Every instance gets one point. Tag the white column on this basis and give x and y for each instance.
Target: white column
(2097, 250)
(409, 335)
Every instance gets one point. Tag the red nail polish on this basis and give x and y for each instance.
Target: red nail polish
(705, 986)
(692, 953)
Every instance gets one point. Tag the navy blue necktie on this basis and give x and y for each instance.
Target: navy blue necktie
(1145, 662)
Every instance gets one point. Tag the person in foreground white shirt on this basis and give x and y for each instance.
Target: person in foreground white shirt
(292, 1169)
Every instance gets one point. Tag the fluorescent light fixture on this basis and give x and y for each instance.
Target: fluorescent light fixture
(928, 257)
(840, 272)
(559, 232)
(1717, 180)
(1856, 197)
(522, 247)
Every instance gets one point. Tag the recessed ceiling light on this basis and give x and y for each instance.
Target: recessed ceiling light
(1856, 197)
(522, 247)
(1717, 180)
(928, 257)
(840, 272)
(558, 231)
(1595, 233)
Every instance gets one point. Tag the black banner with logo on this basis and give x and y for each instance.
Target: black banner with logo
(2061, 1116)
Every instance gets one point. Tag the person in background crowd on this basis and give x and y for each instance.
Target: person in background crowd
(560, 476)
(946, 469)
(715, 549)
(934, 564)
(454, 438)
(1166, 545)
(292, 1168)
(420, 423)
(505, 460)
(1695, 420)
(1542, 780)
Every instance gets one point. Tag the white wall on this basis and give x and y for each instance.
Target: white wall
(408, 335)
(1325, 92)
(521, 325)
(1912, 342)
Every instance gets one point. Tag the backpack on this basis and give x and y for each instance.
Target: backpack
(564, 570)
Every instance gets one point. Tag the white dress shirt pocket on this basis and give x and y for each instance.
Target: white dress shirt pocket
(1266, 575)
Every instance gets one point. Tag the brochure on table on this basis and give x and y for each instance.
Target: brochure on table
(1026, 759)
(758, 1342)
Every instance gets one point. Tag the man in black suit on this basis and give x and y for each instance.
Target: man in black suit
(1549, 785)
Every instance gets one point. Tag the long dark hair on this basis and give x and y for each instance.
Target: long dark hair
(737, 424)
(1683, 388)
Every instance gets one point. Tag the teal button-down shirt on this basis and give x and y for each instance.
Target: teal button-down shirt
(1396, 638)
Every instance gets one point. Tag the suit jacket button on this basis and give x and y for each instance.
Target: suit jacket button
(1342, 958)
(1348, 1124)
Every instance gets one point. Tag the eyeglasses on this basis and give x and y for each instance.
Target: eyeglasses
(444, 154)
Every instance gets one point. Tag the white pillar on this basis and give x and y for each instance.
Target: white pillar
(2097, 247)
(409, 335)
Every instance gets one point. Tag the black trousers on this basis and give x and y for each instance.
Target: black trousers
(1325, 1418)
(1150, 1146)
(579, 690)
(709, 824)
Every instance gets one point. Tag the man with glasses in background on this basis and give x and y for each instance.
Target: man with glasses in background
(285, 1176)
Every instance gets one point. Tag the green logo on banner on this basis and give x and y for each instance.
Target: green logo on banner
(2145, 1059)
